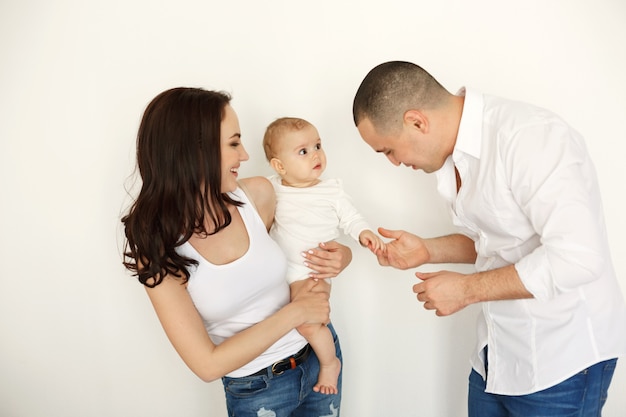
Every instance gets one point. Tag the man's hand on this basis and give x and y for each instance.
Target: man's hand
(445, 292)
(404, 252)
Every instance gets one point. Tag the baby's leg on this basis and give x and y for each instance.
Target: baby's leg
(321, 340)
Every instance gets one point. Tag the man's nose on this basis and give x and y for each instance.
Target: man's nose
(393, 160)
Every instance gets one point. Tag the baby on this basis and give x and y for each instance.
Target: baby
(310, 210)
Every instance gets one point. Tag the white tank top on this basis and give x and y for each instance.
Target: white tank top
(232, 297)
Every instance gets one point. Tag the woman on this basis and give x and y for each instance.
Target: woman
(199, 244)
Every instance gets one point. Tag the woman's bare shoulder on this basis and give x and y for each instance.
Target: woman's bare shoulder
(262, 194)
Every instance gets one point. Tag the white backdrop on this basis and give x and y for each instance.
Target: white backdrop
(78, 336)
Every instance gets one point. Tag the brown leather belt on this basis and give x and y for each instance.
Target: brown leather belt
(279, 367)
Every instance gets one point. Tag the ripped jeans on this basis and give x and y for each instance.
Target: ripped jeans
(287, 395)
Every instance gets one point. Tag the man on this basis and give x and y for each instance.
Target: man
(523, 194)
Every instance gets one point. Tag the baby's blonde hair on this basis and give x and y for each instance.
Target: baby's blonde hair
(277, 129)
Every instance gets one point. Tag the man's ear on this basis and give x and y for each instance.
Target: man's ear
(277, 165)
(416, 119)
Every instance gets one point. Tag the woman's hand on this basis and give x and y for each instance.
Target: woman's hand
(312, 297)
(328, 259)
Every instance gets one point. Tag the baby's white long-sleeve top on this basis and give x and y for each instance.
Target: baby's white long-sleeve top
(305, 217)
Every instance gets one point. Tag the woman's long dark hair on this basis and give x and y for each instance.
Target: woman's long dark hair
(179, 160)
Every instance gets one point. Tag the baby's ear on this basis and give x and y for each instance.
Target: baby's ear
(277, 165)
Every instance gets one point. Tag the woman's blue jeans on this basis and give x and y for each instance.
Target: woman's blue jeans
(582, 395)
(287, 395)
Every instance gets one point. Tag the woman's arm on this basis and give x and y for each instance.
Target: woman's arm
(185, 329)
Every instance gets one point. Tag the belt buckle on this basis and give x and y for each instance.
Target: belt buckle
(274, 369)
(292, 365)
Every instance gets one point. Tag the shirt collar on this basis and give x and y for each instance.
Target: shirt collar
(469, 138)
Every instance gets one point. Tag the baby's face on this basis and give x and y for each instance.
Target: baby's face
(302, 157)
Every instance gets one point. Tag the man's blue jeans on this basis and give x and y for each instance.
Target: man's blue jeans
(582, 395)
(287, 395)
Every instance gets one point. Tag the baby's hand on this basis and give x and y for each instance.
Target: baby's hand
(371, 241)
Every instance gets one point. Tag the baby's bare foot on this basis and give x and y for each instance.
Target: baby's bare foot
(327, 379)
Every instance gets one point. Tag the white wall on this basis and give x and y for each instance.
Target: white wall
(77, 334)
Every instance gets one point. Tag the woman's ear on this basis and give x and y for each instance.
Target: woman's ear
(417, 120)
(277, 165)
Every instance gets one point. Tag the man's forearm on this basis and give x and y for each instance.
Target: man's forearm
(497, 284)
(455, 248)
